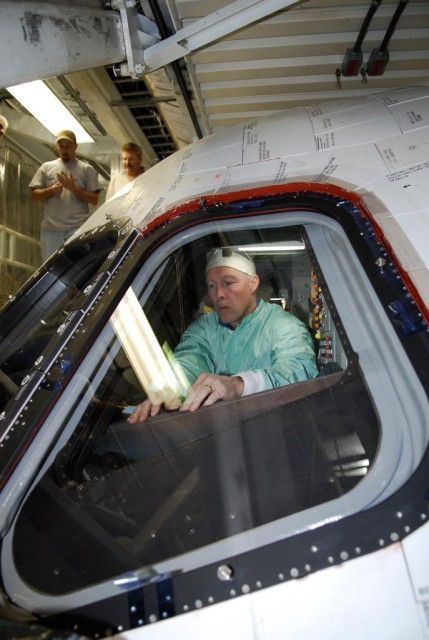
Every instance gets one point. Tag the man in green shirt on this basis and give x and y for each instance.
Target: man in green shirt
(243, 346)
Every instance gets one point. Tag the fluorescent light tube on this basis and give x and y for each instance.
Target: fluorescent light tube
(44, 105)
(270, 247)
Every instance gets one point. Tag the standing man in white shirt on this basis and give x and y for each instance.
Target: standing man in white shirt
(66, 186)
(131, 156)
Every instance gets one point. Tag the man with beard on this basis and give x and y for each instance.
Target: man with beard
(66, 186)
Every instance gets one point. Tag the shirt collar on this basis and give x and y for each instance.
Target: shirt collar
(245, 320)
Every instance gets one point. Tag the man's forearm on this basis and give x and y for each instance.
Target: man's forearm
(41, 194)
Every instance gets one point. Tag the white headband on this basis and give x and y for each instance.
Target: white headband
(230, 257)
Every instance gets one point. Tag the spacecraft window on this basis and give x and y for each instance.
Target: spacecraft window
(41, 306)
(186, 489)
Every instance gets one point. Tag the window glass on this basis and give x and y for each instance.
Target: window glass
(40, 308)
(116, 497)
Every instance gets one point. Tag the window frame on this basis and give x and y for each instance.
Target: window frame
(300, 535)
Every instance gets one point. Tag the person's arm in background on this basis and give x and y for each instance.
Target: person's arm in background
(40, 189)
(40, 194)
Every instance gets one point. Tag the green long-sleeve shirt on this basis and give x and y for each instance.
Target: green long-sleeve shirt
(270, 342)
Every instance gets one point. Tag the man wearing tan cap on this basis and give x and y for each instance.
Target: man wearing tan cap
(66, 186)
(244, 345)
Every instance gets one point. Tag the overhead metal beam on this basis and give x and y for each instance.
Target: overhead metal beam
(43, 40)
(40, 40)
(142, 102)
(219, 24)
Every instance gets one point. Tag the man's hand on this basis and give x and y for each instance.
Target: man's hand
(56, 189)
(143, 411)
(208, 389)
(205, 391)
(40, 194)
(67, 181)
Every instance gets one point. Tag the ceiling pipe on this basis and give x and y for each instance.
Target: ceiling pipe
(353, 58)
(379, 58)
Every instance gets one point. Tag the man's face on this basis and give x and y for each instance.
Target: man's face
(66, 150)
(131, 163)
(232, 293)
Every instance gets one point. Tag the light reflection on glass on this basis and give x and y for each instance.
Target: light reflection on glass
(159, 374)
